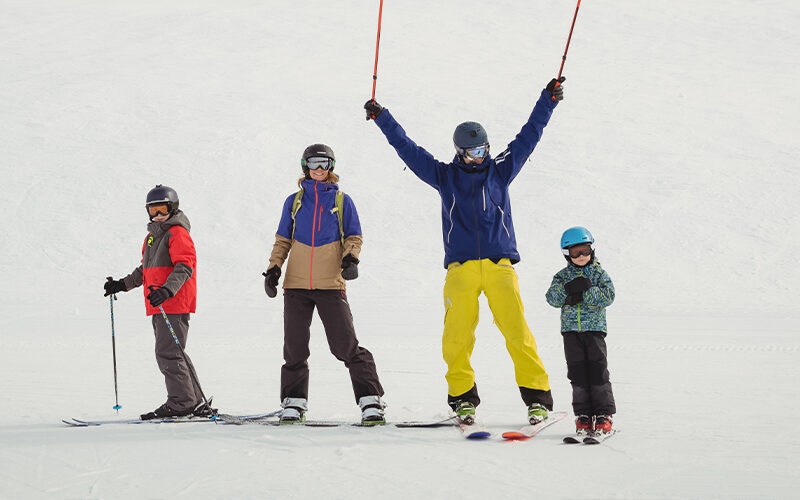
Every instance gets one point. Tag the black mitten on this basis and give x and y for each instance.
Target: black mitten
(271, 281)
(574, 299)
(349, 267)
(578, 285)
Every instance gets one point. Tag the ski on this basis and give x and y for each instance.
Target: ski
(76, 422)
(574, 439)
(447, 422)
(530, 431)
(475, 430)
(598, 438)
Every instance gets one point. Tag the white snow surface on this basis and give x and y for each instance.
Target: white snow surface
(676, 145)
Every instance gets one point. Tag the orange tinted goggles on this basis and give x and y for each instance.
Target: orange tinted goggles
(160, 209)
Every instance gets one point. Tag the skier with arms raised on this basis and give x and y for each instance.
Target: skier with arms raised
(480, 248)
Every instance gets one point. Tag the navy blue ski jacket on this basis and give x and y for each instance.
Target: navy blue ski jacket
(476, 210)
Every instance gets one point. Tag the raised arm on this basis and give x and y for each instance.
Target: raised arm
(510, 161)
(421, 162)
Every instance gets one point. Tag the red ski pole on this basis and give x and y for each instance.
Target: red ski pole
(564, 57)
(377, 45)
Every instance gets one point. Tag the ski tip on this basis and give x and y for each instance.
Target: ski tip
(515, 436)
(479, 435)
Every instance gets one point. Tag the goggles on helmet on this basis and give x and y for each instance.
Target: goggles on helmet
(476, 153)
(316, 162)
(158, 209)
(576, 251)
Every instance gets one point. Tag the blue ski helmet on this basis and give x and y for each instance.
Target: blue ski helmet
(576, 236)
(470, 135)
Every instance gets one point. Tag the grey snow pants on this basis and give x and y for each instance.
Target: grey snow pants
(182, 392)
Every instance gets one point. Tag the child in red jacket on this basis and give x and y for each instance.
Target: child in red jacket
(168, 274)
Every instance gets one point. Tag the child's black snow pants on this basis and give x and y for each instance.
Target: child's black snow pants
(587, 370)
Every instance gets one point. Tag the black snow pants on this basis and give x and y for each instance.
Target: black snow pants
(587, 370)
(334, 311)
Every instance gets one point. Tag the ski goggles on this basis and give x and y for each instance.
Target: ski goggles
(576, 251)
(317, 162)
(476, 153)
(158, 209)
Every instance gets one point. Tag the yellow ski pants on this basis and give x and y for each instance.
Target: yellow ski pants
(499, 282)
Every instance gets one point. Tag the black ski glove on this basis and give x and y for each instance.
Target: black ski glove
(574, 299)
(349, 267)
(271, 281)
(158, 295)
(578, 285)
(556, 89)
(373, 109)
(113, 286)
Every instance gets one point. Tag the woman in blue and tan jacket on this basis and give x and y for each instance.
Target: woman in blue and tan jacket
(320, 234)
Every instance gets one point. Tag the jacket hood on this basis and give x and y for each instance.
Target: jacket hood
(178, 219)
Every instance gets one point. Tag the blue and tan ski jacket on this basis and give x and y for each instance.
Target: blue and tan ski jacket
(589, 315)
(476, 210)
(312, 241)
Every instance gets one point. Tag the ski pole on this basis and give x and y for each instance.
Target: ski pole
(377, 46)
(564, 57)
(111, 300)
(183, 355)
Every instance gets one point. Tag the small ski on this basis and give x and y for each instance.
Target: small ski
(475, 430)
(573, 439)
(598, 438)
(530, 431)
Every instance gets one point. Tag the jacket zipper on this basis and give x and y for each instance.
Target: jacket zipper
(451, 218)
(313, 233)
(483, 192)
(503, 220)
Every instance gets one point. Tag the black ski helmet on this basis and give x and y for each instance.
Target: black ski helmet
(163, 194)
(470, 135)
(317, 150)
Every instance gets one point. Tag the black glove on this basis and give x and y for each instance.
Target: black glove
(556, 89)
(349, 267)
(373, 109)
(158, 295)
(578, 285)
(271, 280)
(574, 299)
(113, 286)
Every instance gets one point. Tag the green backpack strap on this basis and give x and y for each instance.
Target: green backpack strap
(339, 209)
(296, 206)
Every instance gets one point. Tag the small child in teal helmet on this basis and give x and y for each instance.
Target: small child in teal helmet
(583, 290)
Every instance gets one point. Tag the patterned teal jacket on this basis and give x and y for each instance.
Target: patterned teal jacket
(590, 315)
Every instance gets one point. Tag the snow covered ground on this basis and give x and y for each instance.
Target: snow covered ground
(676, 145)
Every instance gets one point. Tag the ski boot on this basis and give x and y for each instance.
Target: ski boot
(372, 410)
(583, 426)
(294, 411)
(537, 413)
(205, 410)
(602, 425)
(465, 411)
(165, 411)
